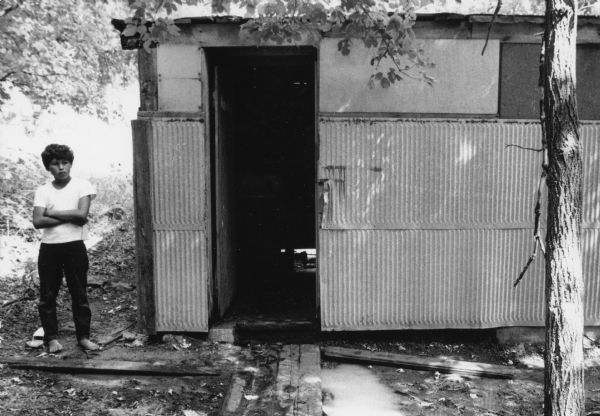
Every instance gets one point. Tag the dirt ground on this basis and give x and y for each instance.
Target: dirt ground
(112, 299)
(396, 391)
(381, 390)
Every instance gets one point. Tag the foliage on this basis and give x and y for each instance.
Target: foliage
(20, 178)
(115, 192)
(61, 51)
(383, 26)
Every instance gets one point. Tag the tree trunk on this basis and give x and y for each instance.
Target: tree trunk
(564, 387)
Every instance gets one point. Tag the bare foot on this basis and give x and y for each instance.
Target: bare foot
(86, 344)
(54, 346)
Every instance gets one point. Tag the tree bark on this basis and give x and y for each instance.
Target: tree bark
(564, 392)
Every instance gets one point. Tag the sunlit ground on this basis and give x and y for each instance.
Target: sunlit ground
(355, 391)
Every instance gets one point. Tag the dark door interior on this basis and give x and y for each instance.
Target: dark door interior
(266, 96)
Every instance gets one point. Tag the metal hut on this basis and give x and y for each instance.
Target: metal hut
(420, 215)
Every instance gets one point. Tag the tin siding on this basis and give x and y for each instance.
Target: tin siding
(179, 216)
(427, 224)
(181, 284)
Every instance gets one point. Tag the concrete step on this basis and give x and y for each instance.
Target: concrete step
(289, 330)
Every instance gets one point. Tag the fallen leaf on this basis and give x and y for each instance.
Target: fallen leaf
(128, 336)
(136, 343)
(193, 413)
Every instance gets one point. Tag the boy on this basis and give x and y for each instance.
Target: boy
(61, 208)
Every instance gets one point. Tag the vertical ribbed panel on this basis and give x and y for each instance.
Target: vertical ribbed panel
(428, 223)
(179, 213)
(590, 137)
(181, 290)
(424, 174)
(178, 171)
(419, 279)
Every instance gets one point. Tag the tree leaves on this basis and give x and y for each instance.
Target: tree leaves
(60, 51)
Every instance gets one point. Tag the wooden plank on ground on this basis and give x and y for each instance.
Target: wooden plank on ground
(287, 375)
(309, 398)
(233, 399)
(299, 380)
(443, 365)
(108, 367)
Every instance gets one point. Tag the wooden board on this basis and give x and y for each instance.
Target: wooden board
(233, 399)
(443, 365)
(309, 399)
(108, 367)
(299, 380)
(144, 245)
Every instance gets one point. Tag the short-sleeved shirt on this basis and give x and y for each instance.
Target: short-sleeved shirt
(63, 199)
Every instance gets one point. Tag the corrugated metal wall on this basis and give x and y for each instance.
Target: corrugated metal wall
(426, 224)
(179, 223)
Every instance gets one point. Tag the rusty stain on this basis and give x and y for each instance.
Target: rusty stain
(337, 175)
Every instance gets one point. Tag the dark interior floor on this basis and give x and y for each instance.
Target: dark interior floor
(290, 295)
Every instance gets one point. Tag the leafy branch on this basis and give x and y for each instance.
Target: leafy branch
(11, 8)
(387, 31)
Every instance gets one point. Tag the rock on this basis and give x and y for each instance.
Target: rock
(116, 213)
(128, 336)
(122, 286)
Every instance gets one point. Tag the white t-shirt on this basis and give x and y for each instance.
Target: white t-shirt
(63, 199)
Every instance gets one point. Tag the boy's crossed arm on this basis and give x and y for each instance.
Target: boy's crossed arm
(49, 217)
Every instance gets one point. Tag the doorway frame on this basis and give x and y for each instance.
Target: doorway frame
(211, 58)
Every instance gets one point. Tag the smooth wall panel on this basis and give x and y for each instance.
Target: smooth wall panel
(423, 279)
(466, 81)
(520, 73)
(181, 286)
(179, 85)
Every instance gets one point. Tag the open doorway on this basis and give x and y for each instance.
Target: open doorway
(263, 124)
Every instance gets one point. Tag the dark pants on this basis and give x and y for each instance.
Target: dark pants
(71, 260)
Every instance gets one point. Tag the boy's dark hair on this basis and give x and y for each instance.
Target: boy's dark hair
(56, 151)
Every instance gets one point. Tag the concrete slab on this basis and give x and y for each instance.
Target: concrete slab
(535, 334)
(223, 332)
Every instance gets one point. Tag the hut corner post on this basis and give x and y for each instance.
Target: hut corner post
(142, 133)
(143, 221)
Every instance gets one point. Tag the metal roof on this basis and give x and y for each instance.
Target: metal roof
(471, 18)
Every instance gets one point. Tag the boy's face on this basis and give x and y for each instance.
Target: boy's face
(60, 169)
